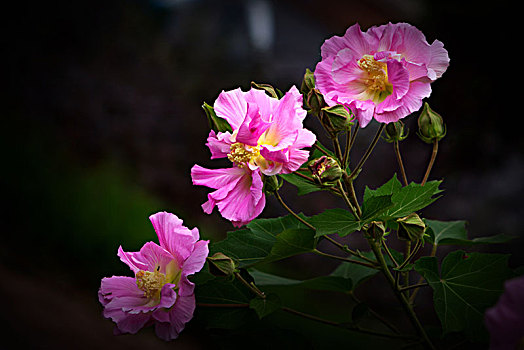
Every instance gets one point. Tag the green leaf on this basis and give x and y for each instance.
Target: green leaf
(215, 122)
(266, 240)
(454, 232)
(265, 306)
(335, 221)
(406, 200)
(329, 283)
(374, 206)
(292, 242)
(303, 186)
(467, 284)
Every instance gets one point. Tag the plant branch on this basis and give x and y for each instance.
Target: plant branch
(371, 266)
(346, 199)
(418, 285)
(431, 162)
(366, 155)
(379, 317)
(400, 163)
(403, 300)
(279, 198)
(251, 286)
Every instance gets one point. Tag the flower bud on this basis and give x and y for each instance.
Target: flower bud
(270, 90)
(308, 83)
(395, 132)
(325, 169)
(315, 101)
(411, 227)
(431, 126)
(221, 265)
(336, 119)
(376, 229)
(272, 184)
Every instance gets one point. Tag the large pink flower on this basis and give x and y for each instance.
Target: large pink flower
(267, 139)
(383, 73)
(160, 292)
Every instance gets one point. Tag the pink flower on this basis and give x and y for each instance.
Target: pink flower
(383, 73)
(267, 139)
(160, 292)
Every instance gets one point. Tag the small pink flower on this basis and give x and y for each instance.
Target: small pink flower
(383, 73)
(267, 139)
(160, 292)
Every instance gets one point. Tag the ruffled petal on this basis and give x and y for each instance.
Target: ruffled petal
(232, 106)
(173, 236)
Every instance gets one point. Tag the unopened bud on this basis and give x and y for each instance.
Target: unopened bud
(336, 119)
(308, 83)
(395, 132)
(270, 90)
(376, 229)
(325, 169)
(431, 126)
(221, 265)
(272, 183)
(315, 101)
(411, 227)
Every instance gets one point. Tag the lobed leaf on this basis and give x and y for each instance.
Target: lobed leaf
(454, 232)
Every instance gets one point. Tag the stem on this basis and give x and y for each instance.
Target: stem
(403, 300)
(376, 314)
(389, 254)
(279, 198)
(340, 325)
(338, 150)
(418, 285)
(321, 149)
(345, 159)
(222, 305)
(346, 199)
(371, 266)
(411, 255)
(251, 286)
(351, 189)
(431, 162)
(433, 253)
(350, 251)
(354, 136)
(400, 163)
(366, 155)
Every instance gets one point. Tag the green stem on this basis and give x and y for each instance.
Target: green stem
(388, 252)
(321, 149)
(411, 255)
(375, 314)
(433, 253)
(418, 285)
(400, 162)
(341, 325)
(346, 199)
(351, 189)
(366, 155)
(357, 262)
(431, 162)
(345, 159)
(403, 300)
(251, 286)
(279, 198)
(338, 150)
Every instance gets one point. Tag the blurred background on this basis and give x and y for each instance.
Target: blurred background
(102, 122)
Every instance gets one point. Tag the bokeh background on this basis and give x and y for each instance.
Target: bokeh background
(102, 122)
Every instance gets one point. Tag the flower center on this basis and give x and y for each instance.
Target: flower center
(151, 282)
(378, 86)
(241, 154)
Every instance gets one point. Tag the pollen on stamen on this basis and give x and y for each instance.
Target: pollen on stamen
(240, 154)
(151, 282)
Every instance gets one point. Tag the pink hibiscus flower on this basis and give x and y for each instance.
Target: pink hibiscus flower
(160, 292)
(267, 139)
(383, 73)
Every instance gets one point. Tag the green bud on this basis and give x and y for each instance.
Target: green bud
(325, 169)
(308, 83)
(221, 265)
(376, 229)
(431, 126)
(395, 132)
(315, 101)
(270, 90)
(336, 119)
(411, 227)
(272, 183)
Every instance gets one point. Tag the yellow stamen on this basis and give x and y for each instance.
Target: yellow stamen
(241, 154)
(151, 282)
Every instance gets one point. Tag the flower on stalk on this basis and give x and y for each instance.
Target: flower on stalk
(383, 73)
(160, 293)
(325, 170)
(431, 126)
(267, 139)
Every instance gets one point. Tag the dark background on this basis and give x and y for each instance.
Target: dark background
(102, 123)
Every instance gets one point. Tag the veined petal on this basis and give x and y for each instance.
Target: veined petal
(232, 106)
(197, 259)
(179, 315)
(220, 144)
